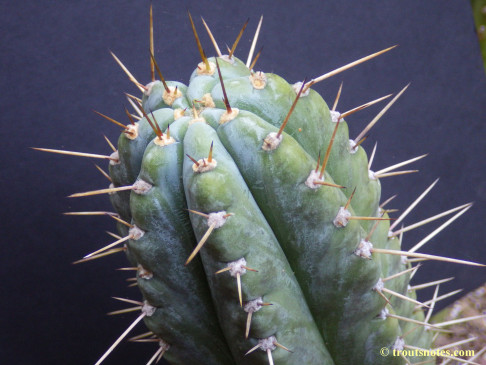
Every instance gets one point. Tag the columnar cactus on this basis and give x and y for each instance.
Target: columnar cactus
(256, 225)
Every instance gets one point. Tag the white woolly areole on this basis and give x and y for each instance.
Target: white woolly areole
(384, 313)
(164, 345)
(197, 120)
(163, 140)
(114, 158)
(178, 113)
(351, 148)
(258, 80)
(268, 343)
(313, 176)
(201, 69)
(132, 131)
(399, 344)
(141, 187)
(111, 186)
(218, 219)
(236, 267)
(253, 305)
(173, 95)
(297, 87)
(342, 218)
(335, 116)
(144, 273)
(379, 285)
(148, 309)
(271, 142)
(371, 175)
(136, 233)
(208, 101)
(149, 88)
(403, 259)
(204, 165)
(364, 249)
(228, 117)
(227, 58)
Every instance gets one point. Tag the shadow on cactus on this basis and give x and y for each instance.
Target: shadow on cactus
(256, 228)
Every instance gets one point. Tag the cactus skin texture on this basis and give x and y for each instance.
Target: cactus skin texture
(336, 283)
(250, 246)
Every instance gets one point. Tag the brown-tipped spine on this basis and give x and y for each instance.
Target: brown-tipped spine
(328, 152)
(318, 161)
(199, 46)
(193, 160)
(349, 200)
(238, 38)
(291, 109)
(159, 72)
(226, 101)
(210, 155)
(151, 36)
(111, 119)
(256, 59)
(155, 127)
(129, 116)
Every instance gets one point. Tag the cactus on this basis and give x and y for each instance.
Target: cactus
(479, 13)
(256, 225)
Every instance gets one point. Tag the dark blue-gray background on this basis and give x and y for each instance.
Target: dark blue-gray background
(56, 68)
